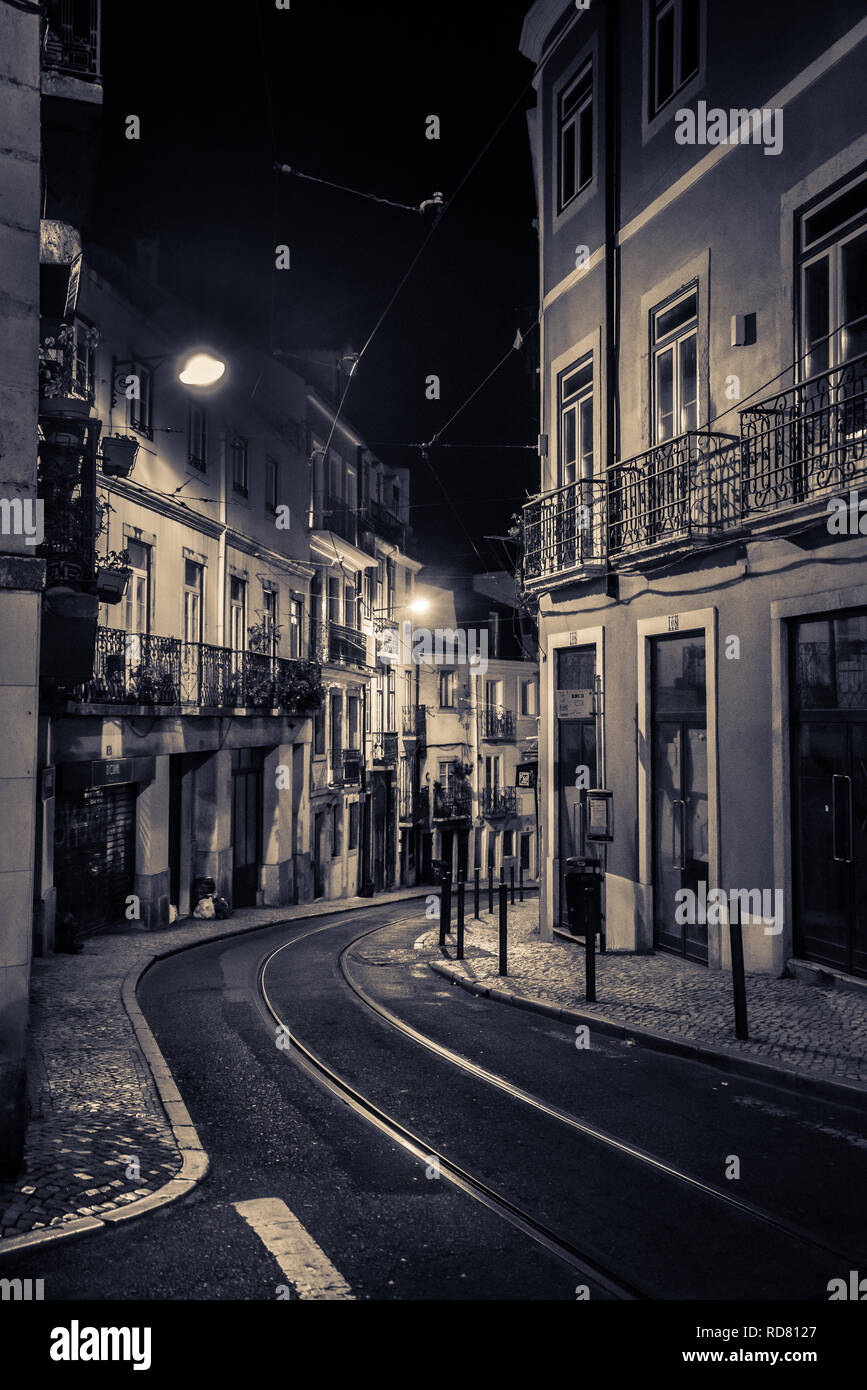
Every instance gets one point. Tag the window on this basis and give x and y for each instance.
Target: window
(494, 695)
(575, 137)
(336, 830)
(508, 843)
(674, 366)
(269, 620)
(198, 438)
(319, 732)
(193, 589)
(529, 705)
(349, 598)
(296, 614)
(141, 405)
(336, 723)
(353, 825)
(448, 684)
(492, 772)
(446, 771)
(674, 48)
(352, 724)
(333, 599)
(84, 360)
(137, 605)
(237, 614)
(575, 389)
(833, 244)
(272, 483)
(238, 458)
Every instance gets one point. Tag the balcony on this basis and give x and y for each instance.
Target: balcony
(334, 645)
(385, 748)
(806, 442)
(453, 803)
(386, 524)
(564, 531)
(336, 515)
(415, 807)
(136, 668)
(684, 491)
(499, 801)
(498, 725)
(71, 44)
(352, 767)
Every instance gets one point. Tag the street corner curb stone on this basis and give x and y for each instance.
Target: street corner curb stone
(722, 1059)
(81, 1226)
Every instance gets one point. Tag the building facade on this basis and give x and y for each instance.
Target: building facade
(702, 192)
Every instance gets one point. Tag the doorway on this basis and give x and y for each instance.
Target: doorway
(680, 795)
(246, 825)
(829, 790)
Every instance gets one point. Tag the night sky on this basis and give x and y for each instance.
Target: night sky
(342, 92)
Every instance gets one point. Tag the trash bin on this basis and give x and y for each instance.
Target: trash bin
(583, 885)
(202, 887)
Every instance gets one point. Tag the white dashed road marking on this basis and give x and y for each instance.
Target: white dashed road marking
(307, 1268)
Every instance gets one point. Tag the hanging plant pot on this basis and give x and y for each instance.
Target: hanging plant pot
(111, 584)
(118, 455)
(66, 406)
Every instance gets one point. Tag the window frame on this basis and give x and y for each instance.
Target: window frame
(197, 412)
(673, 341)
(239, 443)
(576, 401)
(680, 81)
(827, 247)
(585, 71)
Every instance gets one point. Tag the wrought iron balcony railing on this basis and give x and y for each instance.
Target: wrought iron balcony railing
(385, 748)
(335, 514)
(806, 441)
(415, 806)
(137, 668)
(352, 763)
(683, 490)
(453, 803)
(565, 530)
(498, 724)
(385, 523)
(72, 37)
(335, 645)
(499, 801)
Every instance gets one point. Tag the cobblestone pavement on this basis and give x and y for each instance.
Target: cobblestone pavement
(98, 1137)
(792, 1025)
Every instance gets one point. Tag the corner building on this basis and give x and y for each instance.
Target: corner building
(704, 331)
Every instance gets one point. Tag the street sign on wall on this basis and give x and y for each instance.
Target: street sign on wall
(575, 704)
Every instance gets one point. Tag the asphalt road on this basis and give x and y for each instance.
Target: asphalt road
(390, 1228)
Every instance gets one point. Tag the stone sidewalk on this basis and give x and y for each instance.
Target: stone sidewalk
(798, 1028)
(99, 1139)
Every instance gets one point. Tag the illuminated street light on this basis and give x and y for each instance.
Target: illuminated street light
(201, 369)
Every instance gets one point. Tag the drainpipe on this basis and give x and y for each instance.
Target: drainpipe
(221, 543)
(612, 251)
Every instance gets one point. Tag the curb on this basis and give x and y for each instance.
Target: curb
(817, 1084)
(195, 1162)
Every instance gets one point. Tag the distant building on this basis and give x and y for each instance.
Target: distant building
(702, 192)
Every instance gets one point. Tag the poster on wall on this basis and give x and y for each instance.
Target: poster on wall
(575, 704)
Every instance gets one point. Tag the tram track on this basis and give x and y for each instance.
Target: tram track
(475, 1187)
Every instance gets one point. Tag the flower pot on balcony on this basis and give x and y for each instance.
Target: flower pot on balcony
(118, 455)
(111, 583)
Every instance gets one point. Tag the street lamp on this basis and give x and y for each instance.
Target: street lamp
(201, 369)
(197, 368)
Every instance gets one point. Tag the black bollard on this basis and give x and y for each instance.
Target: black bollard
(461, 891)
(490, 889)
(504, 928)
(476, 893)
(738, 981)
(521, 883)
(512, 876)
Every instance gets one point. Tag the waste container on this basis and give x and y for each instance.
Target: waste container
(202, 887)
(583, 885)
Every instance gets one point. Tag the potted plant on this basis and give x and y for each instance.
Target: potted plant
(59, 392)
(112, 575)
(118, 455)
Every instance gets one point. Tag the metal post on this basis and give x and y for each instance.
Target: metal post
(490, 889)
(521, 883)
(445, 909)
(590, 961)
(476, 893)
(738, 981)
(461, 891)
(512, 876)
(504, 928)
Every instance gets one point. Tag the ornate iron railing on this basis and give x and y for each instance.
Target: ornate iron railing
(331, 643)
(415, 805)
(385, 523)
(498, 724)
(684, 489)
(453, 803)
(72, 37)
(499, 801)
(385, 748)
(565, 530)
(137, 668)
(335, 514)
(806, 441)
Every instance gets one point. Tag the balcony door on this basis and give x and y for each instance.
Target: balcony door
(829, 790)
(679, 792)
